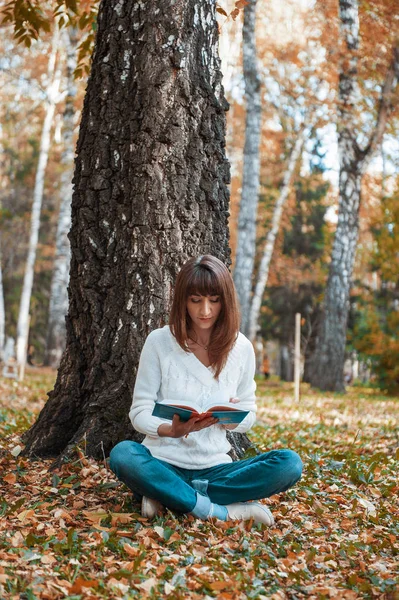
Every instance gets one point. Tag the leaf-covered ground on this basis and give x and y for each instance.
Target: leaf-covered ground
(78, 534)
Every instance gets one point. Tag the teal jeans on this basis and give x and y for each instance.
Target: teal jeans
(191, 490)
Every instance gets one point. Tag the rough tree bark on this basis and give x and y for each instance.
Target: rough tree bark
(150, 190)
(246, 235)
(52, 96)
(267, 254)
(327, 363)
(56, 334)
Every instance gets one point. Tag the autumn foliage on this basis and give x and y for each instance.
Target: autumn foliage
(376, 328)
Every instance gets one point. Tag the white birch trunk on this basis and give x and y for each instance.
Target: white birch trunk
(52, 92)
(271, 237)
(327, 363)
(56, 332)
(246, 237)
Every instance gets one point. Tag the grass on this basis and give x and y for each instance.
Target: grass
(78, 533)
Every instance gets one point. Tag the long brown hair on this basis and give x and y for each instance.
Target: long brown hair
(207, 276)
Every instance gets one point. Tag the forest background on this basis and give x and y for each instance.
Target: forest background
(298, 64)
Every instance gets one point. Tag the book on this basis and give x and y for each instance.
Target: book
(226, 414)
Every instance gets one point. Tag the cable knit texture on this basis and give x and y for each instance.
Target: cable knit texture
(166, 371)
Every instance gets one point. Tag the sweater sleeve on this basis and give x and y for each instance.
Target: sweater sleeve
(246, 391)
(148, 383)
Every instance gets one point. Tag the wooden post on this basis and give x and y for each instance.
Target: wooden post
(23, 363)
(297, 356)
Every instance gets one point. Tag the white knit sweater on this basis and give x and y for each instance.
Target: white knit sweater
(166, 371)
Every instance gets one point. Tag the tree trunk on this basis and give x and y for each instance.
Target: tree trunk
(246, 235)
(150, 190)
(58, 307)
(263, 272)
(286, 365)
(52, 91)
(327, 364)
(2, 313)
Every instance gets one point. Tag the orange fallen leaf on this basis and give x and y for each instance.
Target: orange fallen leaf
(10, 478)
(131, 550)
(26, 514)
(95, 516)
(219, 585)
(81, 583)
(120, 518)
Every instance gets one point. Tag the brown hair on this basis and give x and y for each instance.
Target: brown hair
(207, 276)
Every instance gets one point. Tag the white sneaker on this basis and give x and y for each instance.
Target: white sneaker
(150, 507)
(243, 511)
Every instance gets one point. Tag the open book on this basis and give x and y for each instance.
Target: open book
(166, 409)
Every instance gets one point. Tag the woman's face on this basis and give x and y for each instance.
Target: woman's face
(203, 310)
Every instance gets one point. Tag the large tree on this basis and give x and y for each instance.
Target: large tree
(150, 190)
(355, 153)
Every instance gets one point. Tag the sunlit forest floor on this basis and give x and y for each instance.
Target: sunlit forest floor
(77, 533)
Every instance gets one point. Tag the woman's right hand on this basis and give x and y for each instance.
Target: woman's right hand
(180, 428)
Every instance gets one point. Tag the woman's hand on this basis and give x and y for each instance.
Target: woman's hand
(180, 428)
(232, 426)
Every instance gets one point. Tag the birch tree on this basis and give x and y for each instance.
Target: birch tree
(246, 235)
(150, 190)
(58, 306)
(326, 368)
(52, 96)
(267, 253)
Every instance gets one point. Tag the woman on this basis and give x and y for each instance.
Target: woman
(200, 356)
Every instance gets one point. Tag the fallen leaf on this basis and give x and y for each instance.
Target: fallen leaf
(48, 559)
(369, 506)
(160, 531)
(95, 516)
(16, 451)
(168, 588)
(120, 518)
(148, 584)
(17, 540)
(131, 550)
(80, 584)
(219, 585)
(26, 515)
